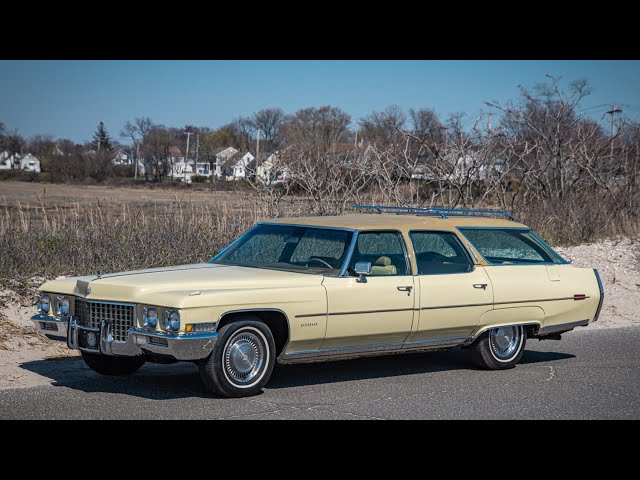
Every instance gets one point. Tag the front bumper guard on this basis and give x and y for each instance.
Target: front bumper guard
(180, 346)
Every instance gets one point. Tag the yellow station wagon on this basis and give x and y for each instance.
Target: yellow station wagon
(390, 280)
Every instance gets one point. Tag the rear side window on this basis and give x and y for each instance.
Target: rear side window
(439, 253)
(510, 246)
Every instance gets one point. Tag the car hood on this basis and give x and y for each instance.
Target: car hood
(166, 286)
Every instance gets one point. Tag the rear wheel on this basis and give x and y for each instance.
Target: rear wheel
(108, 365)
(499, 348)
(242, 359)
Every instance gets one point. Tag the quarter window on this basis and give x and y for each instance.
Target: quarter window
(510, 246)
(439, 253)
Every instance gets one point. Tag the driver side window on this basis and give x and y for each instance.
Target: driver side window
(385, 251)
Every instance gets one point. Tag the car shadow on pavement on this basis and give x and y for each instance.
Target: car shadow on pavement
(180, 380)
(286, 376)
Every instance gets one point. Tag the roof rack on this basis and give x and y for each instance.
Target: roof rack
(432, 211)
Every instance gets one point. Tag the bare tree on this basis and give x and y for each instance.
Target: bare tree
(269, 121)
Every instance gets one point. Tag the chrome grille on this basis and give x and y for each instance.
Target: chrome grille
(120, 316)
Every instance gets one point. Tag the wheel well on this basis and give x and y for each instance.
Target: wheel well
(274, 319)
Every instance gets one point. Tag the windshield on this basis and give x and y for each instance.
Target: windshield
(294, 248)
(510, 246)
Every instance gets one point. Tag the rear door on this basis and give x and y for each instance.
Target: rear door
(454, 293)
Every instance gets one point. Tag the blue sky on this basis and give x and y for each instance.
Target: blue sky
(69, 98)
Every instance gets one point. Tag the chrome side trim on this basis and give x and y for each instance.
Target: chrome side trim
(562, 327)
(286, 344)
(356, 312)
(601, 287)
(489, 327)
(370, 350)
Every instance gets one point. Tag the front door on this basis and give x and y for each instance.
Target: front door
(380, 310)
(454, 294)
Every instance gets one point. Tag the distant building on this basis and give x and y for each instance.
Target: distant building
(27, 162)
(222, 155)
(235, 168)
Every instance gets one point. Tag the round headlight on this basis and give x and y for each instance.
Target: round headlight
(62, 306)
(173, 321)
(150, 317)
(44, 304)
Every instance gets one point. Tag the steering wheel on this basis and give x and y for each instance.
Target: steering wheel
(316, 259)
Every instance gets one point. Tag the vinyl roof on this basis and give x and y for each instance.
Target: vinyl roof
(372, 221)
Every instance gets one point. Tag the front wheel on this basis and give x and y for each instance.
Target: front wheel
(108, 365)
(242, 359)
(499, 348)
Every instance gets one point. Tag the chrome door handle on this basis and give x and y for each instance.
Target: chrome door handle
(480, 285)
(405, 289)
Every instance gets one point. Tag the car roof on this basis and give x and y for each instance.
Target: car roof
(368, 221)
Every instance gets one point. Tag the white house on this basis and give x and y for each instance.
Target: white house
(236, 167)
(27, 162)
(269, 170)
(222, 156)
(186, 172)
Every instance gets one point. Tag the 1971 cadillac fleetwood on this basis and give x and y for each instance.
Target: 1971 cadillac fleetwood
(291, 290)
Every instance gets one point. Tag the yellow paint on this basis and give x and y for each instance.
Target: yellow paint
(544, 293)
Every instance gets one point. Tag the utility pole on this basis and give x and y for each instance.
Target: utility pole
(186, 155)
(197, 147)
(258, 143)
(614, 109)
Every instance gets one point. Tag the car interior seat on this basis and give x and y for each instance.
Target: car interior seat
(383, 266)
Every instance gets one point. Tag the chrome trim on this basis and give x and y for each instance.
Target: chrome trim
(322, 227)
(435, 211)
(243, 310)
(347, 260)
(601, 288)
(562, 327)
(61, 324)
(484, 328)
(355, 312)
(400, 234)
(370, 350)
(550, 251)
(183, 346)
(106, 301)
(450, 232)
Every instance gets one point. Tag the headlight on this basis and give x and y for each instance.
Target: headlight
(150, 317)
(62, 306)
(172, 320)
(44, 304)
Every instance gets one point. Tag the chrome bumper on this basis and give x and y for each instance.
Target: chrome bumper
(54, 328)
(179, 346)
(186, 346)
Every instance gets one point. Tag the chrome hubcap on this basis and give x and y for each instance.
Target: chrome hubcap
(244, 357)
(505, 341)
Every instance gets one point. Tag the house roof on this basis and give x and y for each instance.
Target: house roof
(218, 151)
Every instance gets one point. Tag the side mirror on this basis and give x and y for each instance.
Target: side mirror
(362, 268)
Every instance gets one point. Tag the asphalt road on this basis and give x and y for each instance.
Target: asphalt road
(590, 374)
